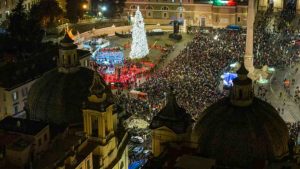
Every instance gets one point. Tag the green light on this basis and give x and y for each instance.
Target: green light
(219, 2)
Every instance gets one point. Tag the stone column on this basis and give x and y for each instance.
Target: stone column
(248, 59)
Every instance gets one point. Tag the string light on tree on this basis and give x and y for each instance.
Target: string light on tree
(139, 45)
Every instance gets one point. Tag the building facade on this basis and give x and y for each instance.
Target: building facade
(23, 141)
(13, 99)
(194, 13)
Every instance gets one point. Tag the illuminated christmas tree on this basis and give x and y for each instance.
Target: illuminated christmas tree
(139, 45)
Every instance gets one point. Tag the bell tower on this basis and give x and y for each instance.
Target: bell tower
(99, 122)
(67, 61)
(242, 91)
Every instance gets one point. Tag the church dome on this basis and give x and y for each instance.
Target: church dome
(241, 129)
(59, 95)
(240, 135)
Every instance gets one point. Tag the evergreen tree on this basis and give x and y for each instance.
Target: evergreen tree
(18, 30)
(17, 20)
(139, 45)
(74, 10)
(35, 30)
(48, 12)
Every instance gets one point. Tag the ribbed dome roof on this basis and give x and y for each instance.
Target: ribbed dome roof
(172, 116)
(237, 136)
(58, 97)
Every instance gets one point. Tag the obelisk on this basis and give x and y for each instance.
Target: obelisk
(248, 59)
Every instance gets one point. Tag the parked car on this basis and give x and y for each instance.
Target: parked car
(138, 150)
(147, 153)
(137, 139)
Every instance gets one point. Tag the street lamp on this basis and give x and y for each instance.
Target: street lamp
(103, 8)
(84, 6)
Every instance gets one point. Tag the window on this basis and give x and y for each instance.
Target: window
(122, 165)
(88, 164)
(149, 13)
(181, 15)
(133, 7)
(164, 8)
(149, 8)
(16, 109)
(238, 19)
(165, 14)
(15, 96)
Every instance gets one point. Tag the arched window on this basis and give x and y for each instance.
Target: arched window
(149, 7)
(164, 8)
(133, 7)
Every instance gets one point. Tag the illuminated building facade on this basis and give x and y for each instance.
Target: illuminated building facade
(214, 13)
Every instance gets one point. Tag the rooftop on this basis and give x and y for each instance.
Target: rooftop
(24, 126)
(18, 73)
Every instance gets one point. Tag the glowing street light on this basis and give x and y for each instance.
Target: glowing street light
(84, 6)
(103, 8)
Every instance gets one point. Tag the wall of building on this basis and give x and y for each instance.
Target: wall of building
(12, 101)
(42, 140)
(163, 12)
(18, 157)
(163, 135)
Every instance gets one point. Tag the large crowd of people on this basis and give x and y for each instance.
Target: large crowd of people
(195, 74)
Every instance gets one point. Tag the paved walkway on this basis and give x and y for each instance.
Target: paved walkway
(179, 46)
(291, 109)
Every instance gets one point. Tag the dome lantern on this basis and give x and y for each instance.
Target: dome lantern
(67, 60)
(242, 91)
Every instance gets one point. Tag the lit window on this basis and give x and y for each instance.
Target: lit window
(15, 96)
